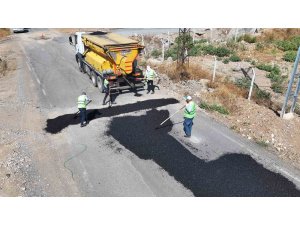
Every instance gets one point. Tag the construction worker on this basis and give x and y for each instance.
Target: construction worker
(150, 74)
(82, 102)
(189, 114)
(107, 92)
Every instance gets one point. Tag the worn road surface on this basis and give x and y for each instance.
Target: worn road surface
(120, 153)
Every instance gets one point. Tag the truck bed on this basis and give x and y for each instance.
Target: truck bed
(109, 39)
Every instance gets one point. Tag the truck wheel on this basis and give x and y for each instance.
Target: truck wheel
(100, 84)
(88, 71)
(94, 78)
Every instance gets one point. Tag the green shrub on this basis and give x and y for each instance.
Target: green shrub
(261, 94)
(278, 86)
(208, 49)
(262, 143)
(218, 51)
(214, 107)
(243, 82)
(226, 61)
(234, 58)
(265, 67)
(253, 62)
(155, 53)
(286, 45)
(247, 38)
(290, 56)
(201, 41)
(289, 45)
(222, 51)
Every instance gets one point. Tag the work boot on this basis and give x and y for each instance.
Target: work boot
(152, 92)
(187, 136)
(148, 92)
(82, 125)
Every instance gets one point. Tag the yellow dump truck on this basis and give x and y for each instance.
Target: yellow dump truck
(108, 55)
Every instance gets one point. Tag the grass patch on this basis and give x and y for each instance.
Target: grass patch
(275, 76)
(290, 56)
(247, 38)
(226, 61)
(214, 107)
(262, 143)
(234, 58)
(289, 45)
(155, 53)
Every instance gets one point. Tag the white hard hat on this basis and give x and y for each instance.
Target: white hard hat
(148, 67)
(188, 97)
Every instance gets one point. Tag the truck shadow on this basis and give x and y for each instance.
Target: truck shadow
(59, 123)
(229, 175)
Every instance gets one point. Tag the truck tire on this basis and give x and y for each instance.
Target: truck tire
(94, 78)
(88, 71)
(85, 68)
(100, 84)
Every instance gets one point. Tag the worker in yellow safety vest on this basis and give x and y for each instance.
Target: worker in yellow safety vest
(107, 90)
(82, 102)
(150, 75)
(189, 114)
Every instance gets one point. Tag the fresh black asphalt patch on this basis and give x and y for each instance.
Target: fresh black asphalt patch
(57, 124)
(229, 175)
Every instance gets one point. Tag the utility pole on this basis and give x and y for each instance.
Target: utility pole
(294, 75)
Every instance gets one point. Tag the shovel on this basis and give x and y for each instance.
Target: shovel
(169, 118)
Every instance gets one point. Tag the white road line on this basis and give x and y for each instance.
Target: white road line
(37, 79)
(44, 92)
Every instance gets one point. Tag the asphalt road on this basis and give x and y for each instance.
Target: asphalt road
(120, 153)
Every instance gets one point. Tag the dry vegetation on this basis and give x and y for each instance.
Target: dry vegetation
(192, 72)
(4, 32)
(3, 67)
(278, 34)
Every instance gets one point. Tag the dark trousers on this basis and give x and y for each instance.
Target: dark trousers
(83, 117)
(150, 86)
(106, 91)
(187, 126)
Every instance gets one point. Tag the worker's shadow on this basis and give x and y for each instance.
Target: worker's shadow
(229, 175)
(57, 124)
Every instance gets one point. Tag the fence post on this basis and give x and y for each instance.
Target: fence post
(215, 67)
(236, 33)
(252, 83)
(168, 39)
(163, 50)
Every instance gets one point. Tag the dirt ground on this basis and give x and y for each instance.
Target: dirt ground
(20, 126)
